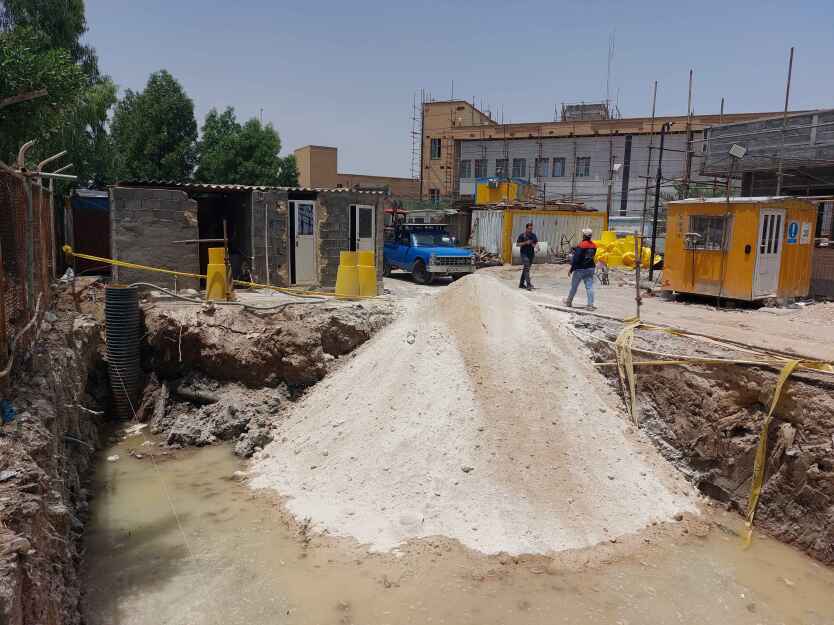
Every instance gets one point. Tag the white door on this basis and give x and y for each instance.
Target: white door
(769, 252)
(304, 257)
(363, 226)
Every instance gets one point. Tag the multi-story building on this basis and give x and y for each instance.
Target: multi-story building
(607, 162)
(318, 168)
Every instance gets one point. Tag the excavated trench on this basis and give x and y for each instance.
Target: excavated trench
(707, 421)
(216, 375)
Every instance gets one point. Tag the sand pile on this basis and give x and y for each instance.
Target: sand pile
(471, 417)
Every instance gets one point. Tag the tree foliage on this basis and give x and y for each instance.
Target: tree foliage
(154, 131)
(27, 64)
(232, 153)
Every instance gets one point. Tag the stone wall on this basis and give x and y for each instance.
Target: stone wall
(144, 225)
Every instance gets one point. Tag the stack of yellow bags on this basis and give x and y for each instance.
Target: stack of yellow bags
(616, 252)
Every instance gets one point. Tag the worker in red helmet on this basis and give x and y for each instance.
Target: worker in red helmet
(582, 268)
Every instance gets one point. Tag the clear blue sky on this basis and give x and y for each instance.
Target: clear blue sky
(343, 73)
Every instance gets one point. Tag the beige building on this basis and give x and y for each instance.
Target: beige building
(318, 168)
(572, 159)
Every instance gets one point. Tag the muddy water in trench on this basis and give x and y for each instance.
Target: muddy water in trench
(230, 559)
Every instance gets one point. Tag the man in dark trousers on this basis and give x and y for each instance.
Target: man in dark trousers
(582, 267)
(527, 242)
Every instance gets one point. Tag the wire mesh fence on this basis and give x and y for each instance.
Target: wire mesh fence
(27, 257)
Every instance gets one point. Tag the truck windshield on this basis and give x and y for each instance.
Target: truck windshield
(432, 238)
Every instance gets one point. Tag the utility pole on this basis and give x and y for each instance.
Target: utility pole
(610, 175)
(779, 174)
(688, 161)
(657, 200)
(648, 166)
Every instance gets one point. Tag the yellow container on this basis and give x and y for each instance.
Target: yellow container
(366, 272)
(347, 276)
(609, 236)
(216, 280)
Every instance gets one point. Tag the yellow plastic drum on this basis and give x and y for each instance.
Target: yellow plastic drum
(216, 275)
(366, 272)
(347, 276)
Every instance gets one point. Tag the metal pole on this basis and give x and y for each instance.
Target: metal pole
(638, 249)
(648, 166)
(657, 200)
(688, 163)
(610, 175)
(784, 125)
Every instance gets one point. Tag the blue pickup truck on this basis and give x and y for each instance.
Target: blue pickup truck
(425, 251)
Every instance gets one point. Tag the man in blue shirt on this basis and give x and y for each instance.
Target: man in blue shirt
(527, 242)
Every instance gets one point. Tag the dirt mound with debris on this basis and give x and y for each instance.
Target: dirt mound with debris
(293, 347)
(469, 418)
(707, 420)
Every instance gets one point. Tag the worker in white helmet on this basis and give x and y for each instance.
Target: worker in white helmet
(582, 268)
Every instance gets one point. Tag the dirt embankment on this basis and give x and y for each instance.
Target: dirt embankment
(708, 419)
(225, 373)
(45, 456)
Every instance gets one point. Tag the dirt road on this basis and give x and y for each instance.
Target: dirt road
(806, 331)
(475, 419)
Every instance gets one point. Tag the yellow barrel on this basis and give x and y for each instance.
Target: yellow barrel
(366, 270)
(216, 275)
(347, 276)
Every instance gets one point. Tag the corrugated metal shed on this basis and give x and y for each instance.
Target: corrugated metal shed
(205, 186)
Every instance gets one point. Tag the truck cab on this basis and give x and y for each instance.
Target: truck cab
(426, 251)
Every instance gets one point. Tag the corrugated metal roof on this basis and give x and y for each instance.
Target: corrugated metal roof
(205, 186)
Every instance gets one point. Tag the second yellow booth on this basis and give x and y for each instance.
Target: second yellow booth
(747, 248)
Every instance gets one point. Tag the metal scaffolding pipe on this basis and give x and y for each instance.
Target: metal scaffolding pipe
(21, 154)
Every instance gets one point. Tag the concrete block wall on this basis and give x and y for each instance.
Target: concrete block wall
(333, 219)
(144, 223)
(269, 235)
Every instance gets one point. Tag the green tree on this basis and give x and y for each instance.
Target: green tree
(288, 175)
(154, 131)
(40, 48)
(29, 64)
(232, 153)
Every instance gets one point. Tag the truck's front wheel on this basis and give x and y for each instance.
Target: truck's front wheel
(421, 274)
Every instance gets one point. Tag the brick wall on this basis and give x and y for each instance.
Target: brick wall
(144, 225)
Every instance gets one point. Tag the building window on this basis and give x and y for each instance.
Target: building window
(583, 166)
(435, 149)
(706, 232)
(466, 169)
(558, 167)
(519, 168)
(480, 168)
(434, 196)
(542, 167)
(501, 170)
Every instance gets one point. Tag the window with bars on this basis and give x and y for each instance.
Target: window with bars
(558, 167)
(501, 170)
(480, 168)
(466, 169)
(583, 166)
(519, 168)
(435, 149)
(706, 232)
(542, 167)
(434, 196)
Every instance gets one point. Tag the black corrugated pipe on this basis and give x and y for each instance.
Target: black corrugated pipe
(121, 315)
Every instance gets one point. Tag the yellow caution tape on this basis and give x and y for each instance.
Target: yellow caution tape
(128, 265)
(625, 364)
(761, 450)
